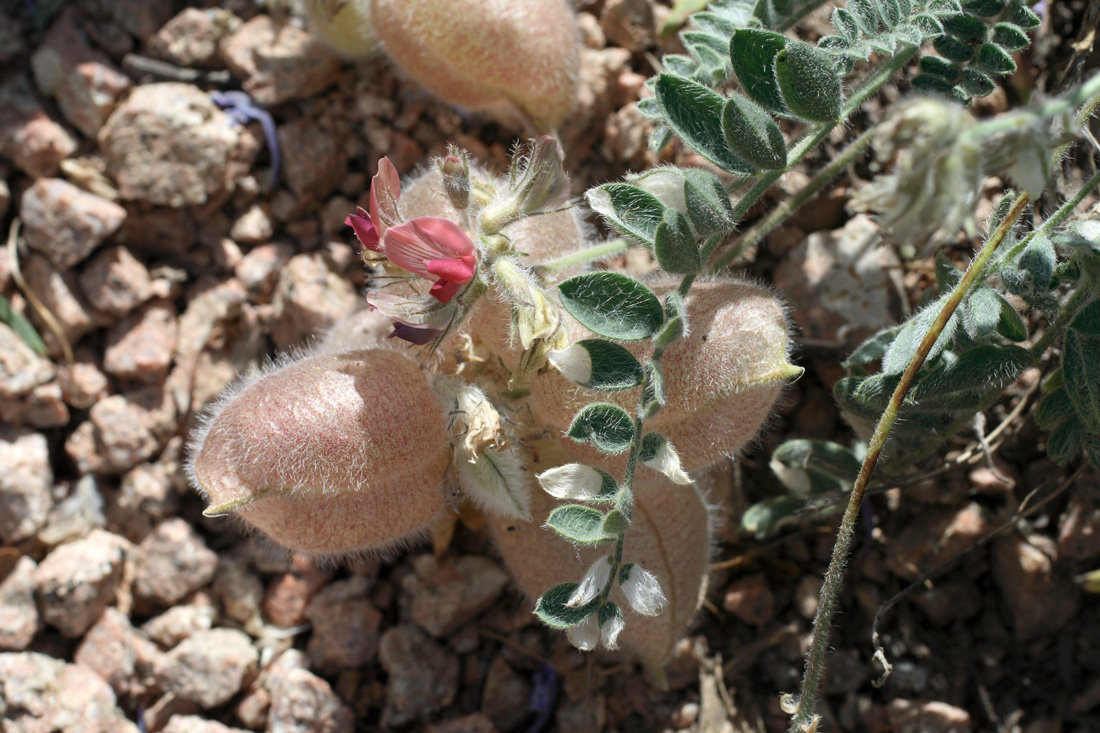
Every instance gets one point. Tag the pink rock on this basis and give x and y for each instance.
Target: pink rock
(25, 482)
(140, 346)
(750, 599)
(449, 593)
(146, 496)
(345, 626)
(279, 62)
(115, 282)
(82, 79)
(238, 588)
(208, 668)
(192, 37)
(252, 227)
(287, 596)
(28, 135)
(918, 716)
(1079, 527)
(141, 17)
(42, 408)
(928, 544)
(312, 150)
(60, 293)
(259, 269)
(21, 370)
(182, 622)
(18, 614)
(310, 297)
(195, 724)
(108, 650)
(168, 144)
(423, 675)
(505, 700)
(472, 723)
(123, 430)
(302, 702)
(629, 24)
(66, 223)
(78, 580)
(41, 693)
(1040, 599)
(172, 562)
(82, 382)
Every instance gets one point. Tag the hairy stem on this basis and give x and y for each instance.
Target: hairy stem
(810, 139)
(1055, 219)
(583, 256)
(804, 715)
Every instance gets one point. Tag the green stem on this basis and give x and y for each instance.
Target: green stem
(584, 256)
(754, 235)
(1055, 219)
(804, 716)
(810, 139)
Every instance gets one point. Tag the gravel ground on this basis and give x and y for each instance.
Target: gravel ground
(180, 235)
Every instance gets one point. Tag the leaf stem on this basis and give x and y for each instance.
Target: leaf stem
(804, 715)
(584, 256)
(810, 139)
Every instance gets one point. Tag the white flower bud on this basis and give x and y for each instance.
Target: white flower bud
(642, 590)
(666, 185)
(592, 584)
(585, 635)
(611, 628)
(574, 481)
(574, 362)
(667, 461)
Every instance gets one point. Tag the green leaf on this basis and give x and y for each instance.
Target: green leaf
(1087, 321)
(675, 64)
(753, 53)
(889, 11)
(606, 426)
(846, 24)
(966, 28)
(553, 612)
(1031, 274)
(993, 60)
(660, 138)
(612, 304)
(22, 327)
(929, 25)
(1053, 409)
(629, 209)
(984, 8)
(609, 611)
(675, 246)
(675, 322)
(1020, 14)
(1012, 325)
(964, 381)
(708, 205)
(932, 84)
(1064, 442)
(1081, 371)
(909, 34)
(912, 333)
(872, 349)
(765, 518)
(812, 466)
(940, 67)
(694, 112)
(948, 274)
(865, 15)
(752, 134)
(884, 42)
(981, 313)
(953, 49)
(654, 396)
(1010, 38)
(976, 84)
(614, 523)
(581, 525)
(810, 84)
(613, 367)
(944, 6)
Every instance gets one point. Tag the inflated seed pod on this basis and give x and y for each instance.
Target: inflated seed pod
(721, 380)
(670, 537)
(480, 53)
(331, 453)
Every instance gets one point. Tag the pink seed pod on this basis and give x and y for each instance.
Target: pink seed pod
(479, 53)
(721, 380)
(327, 453)
(670, 537)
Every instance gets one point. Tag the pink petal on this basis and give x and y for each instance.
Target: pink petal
(385, 189)
(413, 244)
(364, 230)
(444, 290)
(459, 270)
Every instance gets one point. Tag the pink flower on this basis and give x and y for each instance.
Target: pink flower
(416, 319)
(434, 248)
(385, 189)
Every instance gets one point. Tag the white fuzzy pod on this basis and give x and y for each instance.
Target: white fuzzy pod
(329, 453)
(571, 481)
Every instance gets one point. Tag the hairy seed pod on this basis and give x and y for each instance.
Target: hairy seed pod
(331, 453)
(670, 537)
(479, 53)
(721, 380)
